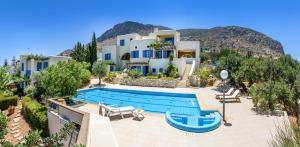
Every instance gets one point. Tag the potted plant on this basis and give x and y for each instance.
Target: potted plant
(11, 110)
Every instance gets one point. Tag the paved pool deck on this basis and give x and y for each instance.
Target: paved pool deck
(247, 129)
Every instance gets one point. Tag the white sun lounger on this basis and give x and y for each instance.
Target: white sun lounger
(226, 94)
(111, 111)
(234, 96)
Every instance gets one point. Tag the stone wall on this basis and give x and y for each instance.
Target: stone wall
(150, 82)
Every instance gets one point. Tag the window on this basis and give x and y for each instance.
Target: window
(22, 67)
(169, 40)
(153, 70)
(161, 70)
(122, 42)
(111, 68)
(158, 54)
(107, 56)
(134, 54)
(39, 66)
(46, 64)
(147, 53)
(167, 53)
(28, 73)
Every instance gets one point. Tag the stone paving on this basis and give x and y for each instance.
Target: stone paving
(247, 128)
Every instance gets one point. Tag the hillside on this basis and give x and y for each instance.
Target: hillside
(231, 37)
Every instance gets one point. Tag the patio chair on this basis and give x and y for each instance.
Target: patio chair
(226, 94)
(111, 110)
(235, 96)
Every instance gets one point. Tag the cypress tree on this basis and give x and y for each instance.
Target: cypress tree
(5, 62)
(92, 50)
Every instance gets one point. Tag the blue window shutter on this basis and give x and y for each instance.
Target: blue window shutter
(22, 66)
(165, 54)
(131, 54)
(39, 66)
(137, 54)
(46, 64)
(151, 53)
(153, 70)
(122, 42)
(159, 54)
(144, 54)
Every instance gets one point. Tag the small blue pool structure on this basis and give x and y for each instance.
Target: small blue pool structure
(180, 109)
(207, 121)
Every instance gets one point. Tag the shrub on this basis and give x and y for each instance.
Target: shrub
(286, 135)
(110, 77)
(171, 71)
(203, 73)
(267, 95)
(6, 101)
(135, 73)
(3, 125)
(62, 79)
(36, 114)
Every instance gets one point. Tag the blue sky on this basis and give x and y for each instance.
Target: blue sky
(51, 26)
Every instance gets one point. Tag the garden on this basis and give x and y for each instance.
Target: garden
(273, 83)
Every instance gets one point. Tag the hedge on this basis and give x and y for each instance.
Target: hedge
(36, 114)
(6, 101)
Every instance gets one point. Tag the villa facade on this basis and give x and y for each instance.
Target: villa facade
(30, 64)
(135, 51)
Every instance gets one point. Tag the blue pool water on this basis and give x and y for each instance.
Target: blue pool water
(158, 102)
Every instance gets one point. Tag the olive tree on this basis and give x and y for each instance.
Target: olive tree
(99, 69)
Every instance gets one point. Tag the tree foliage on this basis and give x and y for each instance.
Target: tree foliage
(62, 79)
(92, 51)
(274, 79)
(100, 69)
(3, 125)
(4, 78)
(171, 71)
(135, 73)
(79, 53)
(268, 95)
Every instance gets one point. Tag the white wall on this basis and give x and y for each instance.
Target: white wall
(163, 63)
(188, 45)
(112, 49)
(141, 45)
(180, 64)
(32, 64)
(55, 59)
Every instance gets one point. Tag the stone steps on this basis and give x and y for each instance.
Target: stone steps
(17, 119)
(15, 124)
(21, 138)
(14, 128)
(15, 131)
(184, 81)
(17, 135)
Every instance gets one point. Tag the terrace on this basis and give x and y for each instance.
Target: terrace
(247, 127)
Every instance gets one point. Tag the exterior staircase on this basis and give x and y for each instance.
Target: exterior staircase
(185, 78)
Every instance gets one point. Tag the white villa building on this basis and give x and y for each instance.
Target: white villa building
(134, 51)
(32, 64)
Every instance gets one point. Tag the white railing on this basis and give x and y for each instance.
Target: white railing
(192, 68)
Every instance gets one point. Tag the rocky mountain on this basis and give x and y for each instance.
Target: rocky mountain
(129, 27)
(232, 37)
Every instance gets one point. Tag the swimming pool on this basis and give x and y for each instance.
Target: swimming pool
(157, 102)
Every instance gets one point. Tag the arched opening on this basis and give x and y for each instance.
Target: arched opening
(125, 56)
